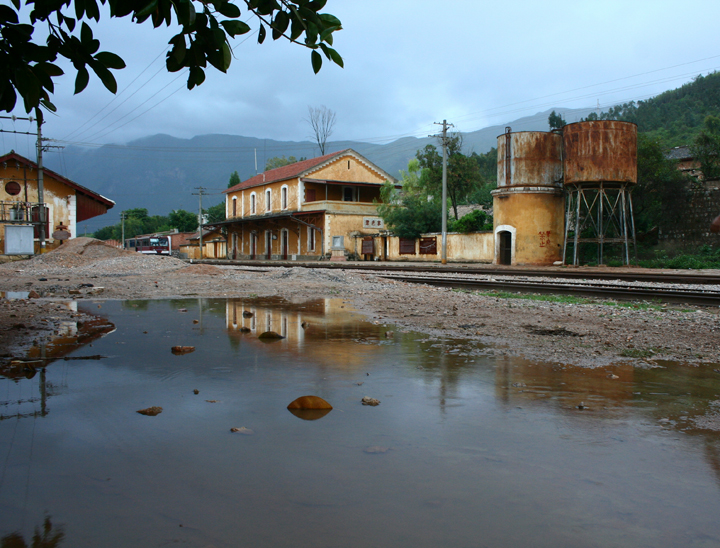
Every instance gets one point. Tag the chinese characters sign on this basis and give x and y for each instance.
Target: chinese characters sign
(373, 222)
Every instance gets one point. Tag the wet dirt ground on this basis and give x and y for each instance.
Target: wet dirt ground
(589, 335)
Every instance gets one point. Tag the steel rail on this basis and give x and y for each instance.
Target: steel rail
(665, 295)
(573, 273)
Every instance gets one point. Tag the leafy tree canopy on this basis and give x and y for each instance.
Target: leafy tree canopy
(662, 191)
(27, 67)
(556, 121)
(675, 117)
(280, 161)
(706, 149)
(184, 221)
(409, 215)
(463, 173)
(216, 213)
(234, 179)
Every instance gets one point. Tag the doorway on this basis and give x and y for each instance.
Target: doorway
(284, 244)
(505, 247)
(268, 245)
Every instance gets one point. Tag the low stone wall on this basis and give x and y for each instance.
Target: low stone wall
(693, 227)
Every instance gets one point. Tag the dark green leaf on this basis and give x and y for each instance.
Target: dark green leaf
(28, 86)
(228, 10)
(330, 20)
(105, 76)
(48, 105)
(196, 77)
(8, 15)
(51, 70)
(280, 24)
(79, 9)
(110, 60)
(146, 11)
(335, 56)
(233, 28)
(261, 34)
(296, 29)
(316, 5)
(70, 22)
(81, 80)
(86, 35)
(316, 61)
(16, 3)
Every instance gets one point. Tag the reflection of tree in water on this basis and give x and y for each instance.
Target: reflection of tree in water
(139, 304)
(48, 538)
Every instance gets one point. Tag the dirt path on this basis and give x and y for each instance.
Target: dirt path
(590, 335)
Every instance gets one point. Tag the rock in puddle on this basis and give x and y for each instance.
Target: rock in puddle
(151, 411)
(242, 430)
(370, 401)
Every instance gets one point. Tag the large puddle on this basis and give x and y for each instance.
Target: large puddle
(466, 449)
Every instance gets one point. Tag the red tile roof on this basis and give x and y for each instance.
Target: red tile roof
(285, 172)
(79, 188)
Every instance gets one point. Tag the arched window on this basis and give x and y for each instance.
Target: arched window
(268, 200)
(284, 197)
(234, 209)
(253, 206)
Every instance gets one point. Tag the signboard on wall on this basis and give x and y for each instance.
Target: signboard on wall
(373, 222)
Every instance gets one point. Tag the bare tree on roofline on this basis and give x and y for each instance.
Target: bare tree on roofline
(322, 121)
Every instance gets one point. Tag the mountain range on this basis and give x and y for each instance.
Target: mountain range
(161, 173)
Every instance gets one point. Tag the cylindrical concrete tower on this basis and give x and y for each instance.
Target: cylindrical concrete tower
(529, 203)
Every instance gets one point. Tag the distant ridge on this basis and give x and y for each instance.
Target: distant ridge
(160, 172)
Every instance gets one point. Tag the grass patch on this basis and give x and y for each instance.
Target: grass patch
(638, 352)
(565, 299)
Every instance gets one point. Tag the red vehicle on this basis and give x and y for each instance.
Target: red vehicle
(149, 245)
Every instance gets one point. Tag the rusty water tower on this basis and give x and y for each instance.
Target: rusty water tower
(529, 202)
(600, 169)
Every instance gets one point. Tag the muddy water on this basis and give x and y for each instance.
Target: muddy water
(465, 449)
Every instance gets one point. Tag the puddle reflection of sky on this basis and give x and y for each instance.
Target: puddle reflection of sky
(465, 448)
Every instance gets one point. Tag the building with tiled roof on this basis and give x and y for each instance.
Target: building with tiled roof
(24, 229)
(305, 210)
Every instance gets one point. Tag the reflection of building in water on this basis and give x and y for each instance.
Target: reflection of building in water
(519, 380)
(27, 388)
(318, 328)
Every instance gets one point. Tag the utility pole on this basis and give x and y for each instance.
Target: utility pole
(444, 140)
(122, 222)
(200, 192)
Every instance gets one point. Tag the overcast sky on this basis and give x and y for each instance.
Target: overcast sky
(408, 63)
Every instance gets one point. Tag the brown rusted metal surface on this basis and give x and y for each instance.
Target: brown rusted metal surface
(600, 150)
(529, 158)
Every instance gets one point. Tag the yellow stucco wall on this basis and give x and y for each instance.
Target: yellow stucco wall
(539, 223)
(347, 168)
(57, 196)
(474, 247)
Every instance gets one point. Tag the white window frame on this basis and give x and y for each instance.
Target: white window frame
(253, 203)
(268, 200)
(234, 207)
(284, 197)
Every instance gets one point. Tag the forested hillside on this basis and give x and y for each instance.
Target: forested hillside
(675, 117)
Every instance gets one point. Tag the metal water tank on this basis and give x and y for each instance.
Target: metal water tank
(529, 158)
(600, 151)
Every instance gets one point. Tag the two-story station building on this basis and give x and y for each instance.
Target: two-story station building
(304, 210)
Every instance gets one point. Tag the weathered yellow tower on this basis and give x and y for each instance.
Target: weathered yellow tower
(529, 203)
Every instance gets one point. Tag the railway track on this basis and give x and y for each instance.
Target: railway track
(587, 283)
(703, 297)
(565, 273)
